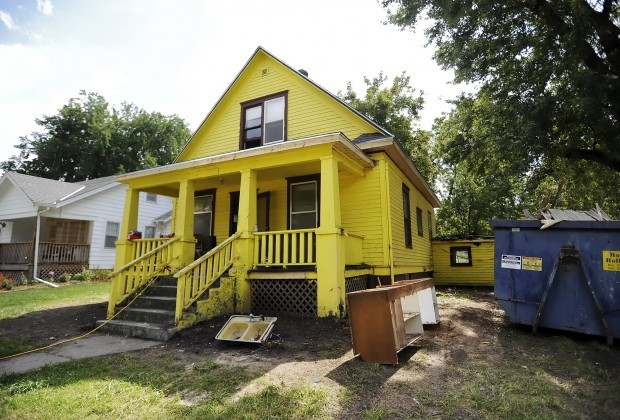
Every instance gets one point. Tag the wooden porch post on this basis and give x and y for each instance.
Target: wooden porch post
(184, 249)
(330, 259)
(129, 222)
(244, 248)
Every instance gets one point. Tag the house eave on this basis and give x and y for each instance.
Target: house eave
(394, 150)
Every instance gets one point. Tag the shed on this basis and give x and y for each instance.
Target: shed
(463, 260)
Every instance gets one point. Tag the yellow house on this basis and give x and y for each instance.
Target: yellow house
(464, 261)
(284, 199)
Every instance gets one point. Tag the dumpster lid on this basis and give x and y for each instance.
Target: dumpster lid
(560, 224)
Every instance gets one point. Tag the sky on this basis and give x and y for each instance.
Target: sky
(178, 57)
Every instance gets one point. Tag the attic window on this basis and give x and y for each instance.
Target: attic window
(263, 121)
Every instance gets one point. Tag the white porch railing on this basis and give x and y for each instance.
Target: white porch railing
(285, 248)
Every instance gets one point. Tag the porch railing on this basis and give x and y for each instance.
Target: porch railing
(353, 248)
(127, 279)
(285, 248)
(56, 253)
(16, 253)
(197, 277)
(49, 253)
(141, 247)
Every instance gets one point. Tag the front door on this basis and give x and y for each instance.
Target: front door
(262, 212)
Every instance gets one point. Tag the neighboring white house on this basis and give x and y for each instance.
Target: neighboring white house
(74, 224)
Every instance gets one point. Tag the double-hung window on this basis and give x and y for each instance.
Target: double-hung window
(263, 121)
(407, 217)
(418, 214)
(304, 205)
(112, 230)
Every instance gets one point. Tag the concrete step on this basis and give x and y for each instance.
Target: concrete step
(153, 316)
(158, 290)
(139, 329)
(165, 281)
(156, 302)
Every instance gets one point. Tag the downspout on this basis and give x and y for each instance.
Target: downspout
(389, 221)
(37, 239)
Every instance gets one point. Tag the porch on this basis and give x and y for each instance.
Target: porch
(276, 219)
(52, 257)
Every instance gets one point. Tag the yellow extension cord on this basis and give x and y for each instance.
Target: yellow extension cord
(148, 284)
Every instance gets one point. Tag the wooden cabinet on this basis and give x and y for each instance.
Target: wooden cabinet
(387, 319)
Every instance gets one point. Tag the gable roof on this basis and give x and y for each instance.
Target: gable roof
(49, 192)
(261, 50)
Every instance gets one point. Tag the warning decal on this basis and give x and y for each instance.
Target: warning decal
(611, 260)
(531, 263)
(511, 261)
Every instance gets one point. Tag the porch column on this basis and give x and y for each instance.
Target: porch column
(184, 249)
(244, 246)
(330, 262)
(129, 222)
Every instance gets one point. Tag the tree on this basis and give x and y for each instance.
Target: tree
(396, 108)
(549, 68)
(481, 181)
(86, 139)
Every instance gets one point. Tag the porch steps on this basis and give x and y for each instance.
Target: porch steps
(151, 315)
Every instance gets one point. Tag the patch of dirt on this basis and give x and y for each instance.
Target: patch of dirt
(318, 353)
(45, 327)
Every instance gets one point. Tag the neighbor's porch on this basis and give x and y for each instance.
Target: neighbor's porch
(59, 246)
(257, 207)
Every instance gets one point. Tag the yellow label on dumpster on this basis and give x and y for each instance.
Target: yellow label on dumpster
(611, 260)
(531, 263)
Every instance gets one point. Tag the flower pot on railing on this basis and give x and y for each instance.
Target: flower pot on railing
(134, 234)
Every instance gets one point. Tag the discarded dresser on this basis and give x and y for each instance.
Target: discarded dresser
(564, 276)
(387, 319)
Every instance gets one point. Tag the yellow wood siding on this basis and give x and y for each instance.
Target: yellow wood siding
(418, 258)
(360, 206)
(480, 273)
(310, 111)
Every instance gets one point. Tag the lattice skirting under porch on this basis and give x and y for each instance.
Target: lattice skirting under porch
(290, 296)
(59, 269)
(353, 284)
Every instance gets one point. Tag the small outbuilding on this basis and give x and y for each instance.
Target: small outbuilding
(464, 260)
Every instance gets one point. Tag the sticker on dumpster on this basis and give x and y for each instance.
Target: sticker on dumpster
(511, 261)
(531, 263)
(611, 260)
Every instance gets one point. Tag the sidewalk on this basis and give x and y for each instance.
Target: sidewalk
(91, 346)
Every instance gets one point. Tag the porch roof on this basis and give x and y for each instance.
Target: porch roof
(339, 142)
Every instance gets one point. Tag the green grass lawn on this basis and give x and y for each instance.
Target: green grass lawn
(154, 386)
(19, 302)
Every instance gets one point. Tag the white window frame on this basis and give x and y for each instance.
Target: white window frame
(106, 235)
(146, 229)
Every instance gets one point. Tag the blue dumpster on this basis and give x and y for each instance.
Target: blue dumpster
(566, 277)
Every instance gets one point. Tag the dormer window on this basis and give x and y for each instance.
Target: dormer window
(263, 121)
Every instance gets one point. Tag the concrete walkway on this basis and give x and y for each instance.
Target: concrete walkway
(91, 346)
